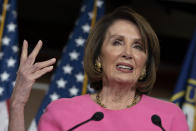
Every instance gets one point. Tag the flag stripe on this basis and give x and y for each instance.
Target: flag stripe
(3, 116)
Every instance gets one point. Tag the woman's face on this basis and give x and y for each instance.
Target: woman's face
(123, 56)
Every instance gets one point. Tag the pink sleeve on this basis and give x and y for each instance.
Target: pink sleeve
(179, 121)
(48, 121)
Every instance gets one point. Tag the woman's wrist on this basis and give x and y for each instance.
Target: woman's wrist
(16, 104)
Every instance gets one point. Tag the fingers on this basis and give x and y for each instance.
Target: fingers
(24, 51)
(33, 55)
(41, 72)
(40, 65)
(35, 52)
(28, 72)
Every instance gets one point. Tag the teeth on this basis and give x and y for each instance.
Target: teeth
(124, 67)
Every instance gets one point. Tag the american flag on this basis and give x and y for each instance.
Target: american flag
(185, 91)
(68, 78)
(8, 54)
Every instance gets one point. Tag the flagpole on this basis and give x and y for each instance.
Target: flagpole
(85, 82)
(3, 20)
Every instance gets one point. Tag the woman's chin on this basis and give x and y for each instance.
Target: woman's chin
(125, 81)
(120, 79)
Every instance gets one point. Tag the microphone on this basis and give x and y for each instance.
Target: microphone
(157, 121)
(96, 117)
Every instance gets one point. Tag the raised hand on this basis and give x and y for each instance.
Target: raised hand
(28, 72)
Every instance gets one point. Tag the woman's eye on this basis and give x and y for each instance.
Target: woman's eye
(138, 46)
(117, 42)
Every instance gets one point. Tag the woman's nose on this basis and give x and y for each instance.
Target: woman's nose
(127, 53)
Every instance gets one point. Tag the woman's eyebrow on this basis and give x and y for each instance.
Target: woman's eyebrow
(138, 39)
(119, 36)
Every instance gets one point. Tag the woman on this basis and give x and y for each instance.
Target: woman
(121, 59)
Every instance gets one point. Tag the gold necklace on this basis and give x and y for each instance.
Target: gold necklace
(98, 101)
